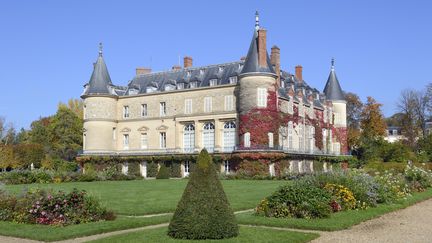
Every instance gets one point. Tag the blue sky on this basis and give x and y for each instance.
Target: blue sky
(47, 47)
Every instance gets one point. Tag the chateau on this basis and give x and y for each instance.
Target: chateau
(249, 109)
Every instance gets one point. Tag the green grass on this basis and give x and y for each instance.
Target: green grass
(337, 221)
(52, 233)
(247, 235)
(159, 196)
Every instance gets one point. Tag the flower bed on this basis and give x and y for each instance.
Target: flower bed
(48, 208)
(315, 196)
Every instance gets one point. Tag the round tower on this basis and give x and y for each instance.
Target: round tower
(257, 95)
(100, 110)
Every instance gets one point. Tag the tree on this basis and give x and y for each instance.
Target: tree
(65, 133)
(203, 211)
(372, 120)
(75, 105)
(39, 133)
(354, 108)
(410, 119)
(6, 157)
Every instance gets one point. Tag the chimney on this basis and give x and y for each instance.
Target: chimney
(176, 67)
(142, 70)
(275, 61)
(187, 61)
(299, 72)
(262, 52)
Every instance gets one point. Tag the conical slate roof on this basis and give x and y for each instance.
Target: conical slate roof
(251, 64)
(333, 90)
(100, 80)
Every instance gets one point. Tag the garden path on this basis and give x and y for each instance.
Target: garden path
(412, 224)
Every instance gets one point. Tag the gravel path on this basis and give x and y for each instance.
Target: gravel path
(413, 224)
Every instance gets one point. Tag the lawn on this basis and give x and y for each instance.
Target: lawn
(159, 196)
(247, 234)
(337, 221)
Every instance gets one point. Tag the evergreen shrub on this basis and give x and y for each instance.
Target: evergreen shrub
(163, 173)
(203, 211)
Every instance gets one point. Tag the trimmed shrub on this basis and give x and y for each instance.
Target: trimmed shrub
(134, 169)
(152, 169)
(252, 169)
(203, 211)
(175, 170)
(299, 199)
(163, 173)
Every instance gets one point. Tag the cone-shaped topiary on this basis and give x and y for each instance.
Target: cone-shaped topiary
(203, 211)
(163, 173)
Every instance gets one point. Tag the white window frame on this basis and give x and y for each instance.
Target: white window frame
(144, 140)
(186, 168)
(229, 103)
(270, 140)
(189, 138)
(188, 106)
(162, 140)
(213, 82)
(290, 107)
(126, 141)
(246, 140)
(208, 136)
(233, 80)
(262, 97)
(229, 136)
(207, 104)
(125, 111)
(162, 108)
(144, 110)
(193, 84)
(226, 167)
(290, 135)
(180, 86)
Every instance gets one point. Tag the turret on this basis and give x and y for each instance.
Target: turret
(257, 93)
(334, 93)
(100, 105)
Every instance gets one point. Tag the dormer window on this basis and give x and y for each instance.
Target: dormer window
(221, 69)
(201, 71)
(180, 86)
(133, 91)
(169, 87)
(188, 73)
(193, 84)
(233, 80)
(240, 66)
(213, 82)
(150, 89)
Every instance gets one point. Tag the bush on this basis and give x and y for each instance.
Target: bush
(152, 169)
(342, 197)
(417, 178)
(48, 208)
(175, 170)
(163, 173)
(252, 169)
(203, 211)
(299, 199)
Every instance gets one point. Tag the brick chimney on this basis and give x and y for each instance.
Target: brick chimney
(299, 72)
(262, 45)
(143, 70)
(187, 61)
(275, 61)
(176, 67)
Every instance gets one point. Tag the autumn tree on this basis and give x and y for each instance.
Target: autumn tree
(410, 119)
(75, 105)
(372, 121)
(353, 108)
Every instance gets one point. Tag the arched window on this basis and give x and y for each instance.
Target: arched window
(208, 136)
(228, 139)
(246, 140)
(189, 138)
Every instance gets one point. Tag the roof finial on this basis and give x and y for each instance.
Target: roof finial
(100, 48)
(256, 20)
(332, 63)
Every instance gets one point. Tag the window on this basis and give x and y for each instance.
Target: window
(208, 136)
(151, 89)
(226, 167)
(291, 107)
(336, 148)
(188, 106)
(84, 142)
(324, 140)
(395, 132)
(229, 103)
(312, 138)
(233, 80)
(229, 134)
(144, 110)
(125, 111)
(162, 140)
(162, 109)
(84, 111)
(180, 86)
(213, 82)
(133, 91)
(282, 83)
(221, 69)
(301, 109)
(290, 134)
(114, 133)
(125, 141)
(300, 135)
(270, 139)
(207, 104)
(169, 87)
(144, 141)
(189, 138)
(187, 168)
(193, 84)
(201, 72)
(262, 97)
(246, 140)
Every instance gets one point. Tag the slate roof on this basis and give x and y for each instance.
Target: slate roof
(332, 89)
(251, 63)
(100, 80)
